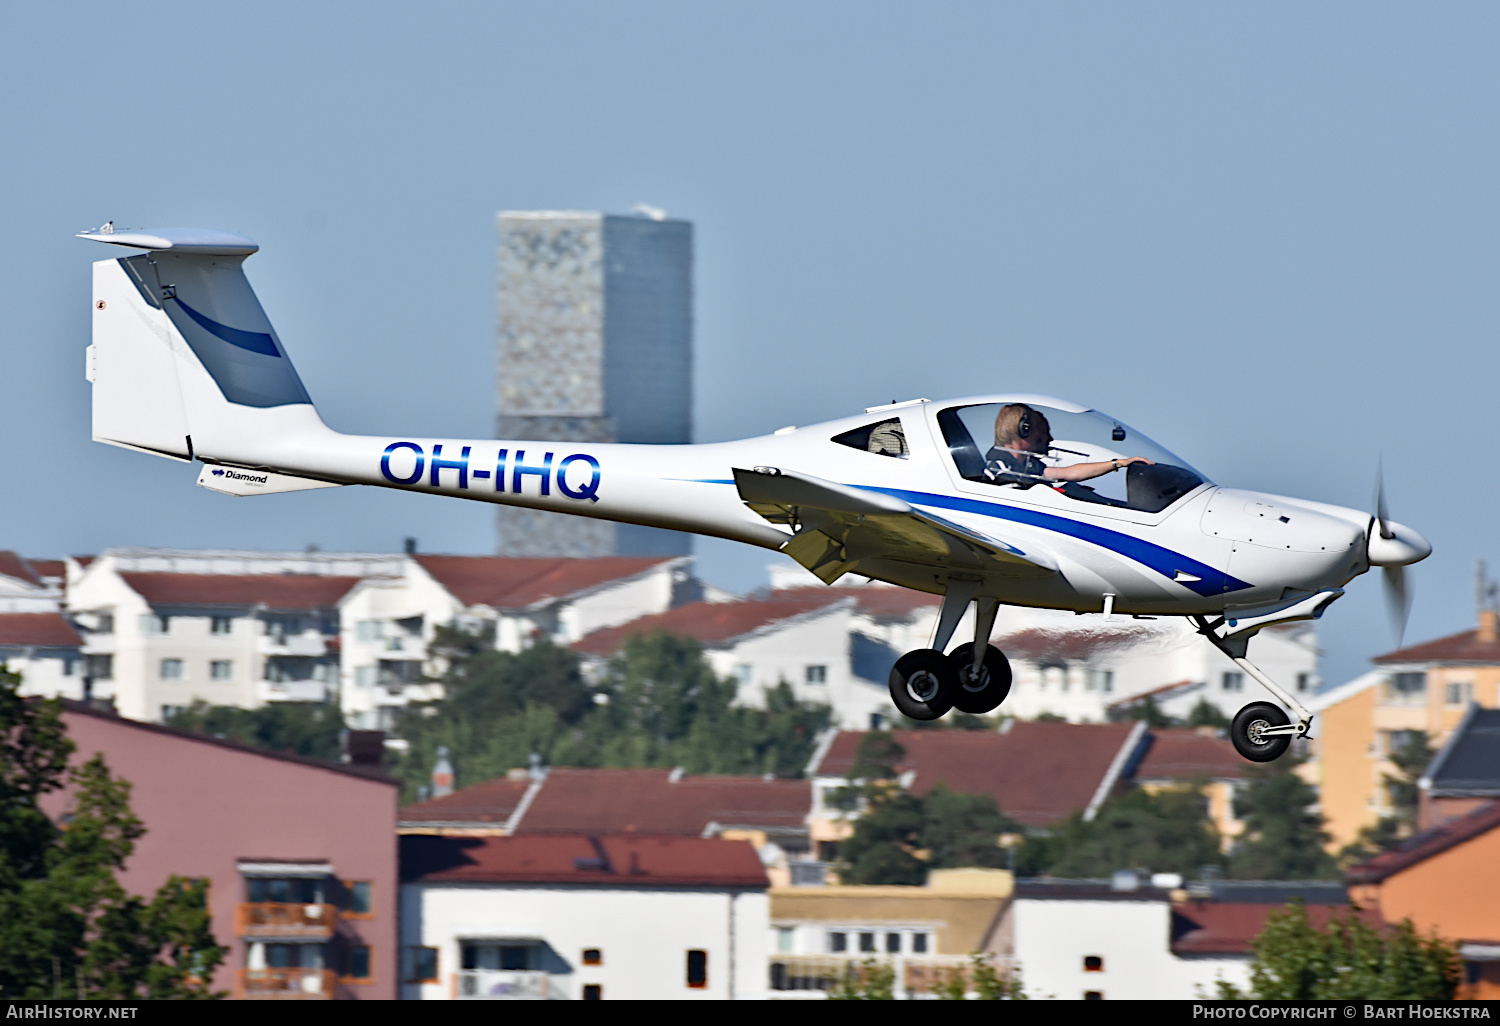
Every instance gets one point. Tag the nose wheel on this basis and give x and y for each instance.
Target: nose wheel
(982, 691)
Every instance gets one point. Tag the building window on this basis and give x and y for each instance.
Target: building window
(697, 969)
(785, 940)
(816, 674)
(593, 992)
(1093, 995)
(359, 899)
(838, 942)
(1460, 692)
(300, 890)
(368, 630)
(1100, 680)
(1302, 681)
(867, 942)
(1093, 964)
(893, 944)
(99, 667)
(294, 956)
(153, 624)
(421, 965)
(506, 957)
(171, 669)
(221, 669)
(744, 674)
(1234, 682)
(364, 676)
(357, 963)
(104, 623)
(919, 944)
(70, 665)
(1406, 688)
(221, 625)
(169, 711)
(593, 956)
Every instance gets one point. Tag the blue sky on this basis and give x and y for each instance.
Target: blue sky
(1265, 235)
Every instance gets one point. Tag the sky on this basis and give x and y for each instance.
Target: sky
(1265, 235)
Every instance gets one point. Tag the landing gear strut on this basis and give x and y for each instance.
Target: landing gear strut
(1261, 732)
(975, 678)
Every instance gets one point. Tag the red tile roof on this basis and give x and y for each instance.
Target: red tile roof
(490, 802)
(503, 582)
(1228, 928)
(51, 629)
(48, 567)
(12, 565)
(275, 591)
(711, 621)
(618, 861)
(1465, 647)
(608, 801)
(1428, 843)
(1038, 773)
(1183, 755)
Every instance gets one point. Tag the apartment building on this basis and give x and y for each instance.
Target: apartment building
(1422, 689)
(300, 854)
(591, 917)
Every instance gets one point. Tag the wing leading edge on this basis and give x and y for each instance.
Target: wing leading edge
(839, 526)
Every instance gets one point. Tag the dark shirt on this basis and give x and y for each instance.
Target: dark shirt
(1009, 466)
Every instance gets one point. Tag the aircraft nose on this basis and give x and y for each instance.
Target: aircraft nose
(1404, 545)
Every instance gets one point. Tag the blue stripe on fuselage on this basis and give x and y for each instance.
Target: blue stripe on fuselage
(1211, 581)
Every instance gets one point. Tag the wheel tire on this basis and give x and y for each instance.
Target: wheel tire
(1246, 728)
(922, 684)
(985, 694)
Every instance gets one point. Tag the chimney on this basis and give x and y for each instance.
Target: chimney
(1489, 626)
(411, 546)
(442, 774)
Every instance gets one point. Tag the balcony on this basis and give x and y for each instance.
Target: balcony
(285, 984)
(293, 691)
(911, 975)
(501, 985)
(308, 643)
(280, 920)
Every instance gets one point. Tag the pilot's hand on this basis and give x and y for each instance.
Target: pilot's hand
(1128, 460)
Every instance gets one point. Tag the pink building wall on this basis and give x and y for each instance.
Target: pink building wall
(208, 804)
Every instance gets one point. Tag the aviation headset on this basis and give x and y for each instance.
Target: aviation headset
(1023, 427)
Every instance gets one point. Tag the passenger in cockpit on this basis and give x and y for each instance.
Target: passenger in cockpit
(1022, 437)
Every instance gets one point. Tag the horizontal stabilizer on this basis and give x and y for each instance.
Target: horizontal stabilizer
(237, 481)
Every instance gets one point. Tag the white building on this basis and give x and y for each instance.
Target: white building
(166, 628)
(1093, 939)
(620, 917)
(832, 646)
(389, 622)
(36, 638)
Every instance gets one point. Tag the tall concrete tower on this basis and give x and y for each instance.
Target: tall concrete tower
(596, 345)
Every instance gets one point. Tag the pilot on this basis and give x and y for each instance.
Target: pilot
(1022, 437)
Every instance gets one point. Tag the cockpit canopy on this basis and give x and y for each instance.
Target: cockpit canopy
(1077, 436)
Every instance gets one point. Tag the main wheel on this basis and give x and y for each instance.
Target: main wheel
(922, 684)
(1248, 732)
(981, 693)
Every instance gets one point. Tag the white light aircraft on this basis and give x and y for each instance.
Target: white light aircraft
(1018, 499)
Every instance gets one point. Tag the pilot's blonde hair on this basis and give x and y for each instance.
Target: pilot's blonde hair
(1008, 423)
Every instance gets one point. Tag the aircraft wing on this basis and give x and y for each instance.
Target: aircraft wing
(839, 526)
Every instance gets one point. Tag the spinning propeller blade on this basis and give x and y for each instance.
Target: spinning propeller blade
(1397, 595)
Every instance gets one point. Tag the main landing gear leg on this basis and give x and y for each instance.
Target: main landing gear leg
(1260, 731)
(975, 678)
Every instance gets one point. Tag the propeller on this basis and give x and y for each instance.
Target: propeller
(1391, 560)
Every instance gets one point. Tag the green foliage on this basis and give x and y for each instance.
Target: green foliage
(67, 927)
(1206, 714)
(982, 979)
(301, 728)
(1350, 960)
(869, 980)
(1166, 832)
(1284, 836)
(659, 704)
(1149, 713)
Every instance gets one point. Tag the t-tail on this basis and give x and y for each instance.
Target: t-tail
(185, 364)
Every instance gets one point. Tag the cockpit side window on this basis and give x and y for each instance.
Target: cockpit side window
(886, 438)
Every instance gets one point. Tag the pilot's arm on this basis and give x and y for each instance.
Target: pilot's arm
(1086, 471)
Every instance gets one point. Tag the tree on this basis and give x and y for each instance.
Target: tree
(1284, 837)
(67, 927)
(1349, 960)
(302, 728)
(658, 703)
(1206, 714)
(1167, 831)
